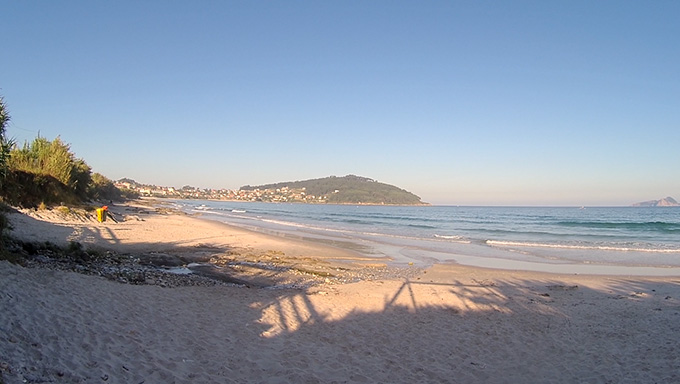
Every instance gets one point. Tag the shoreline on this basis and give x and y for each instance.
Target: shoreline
(427, 252)
(427, 247)
(148, 226)
(446, 323)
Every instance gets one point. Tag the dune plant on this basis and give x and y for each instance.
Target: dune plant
(63, 210)
(47, 173)
(101, 188)
(4, 120)
(4, 155)
(55, 159)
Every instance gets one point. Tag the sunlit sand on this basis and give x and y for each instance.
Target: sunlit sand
(448, 323)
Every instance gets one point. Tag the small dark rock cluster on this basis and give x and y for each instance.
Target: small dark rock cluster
(121, 268)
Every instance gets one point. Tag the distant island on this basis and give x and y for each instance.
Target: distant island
(348, 189)
(665, 202)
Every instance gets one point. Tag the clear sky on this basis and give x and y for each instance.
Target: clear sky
(461, 102)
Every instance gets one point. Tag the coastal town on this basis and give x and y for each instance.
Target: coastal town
(279, 195)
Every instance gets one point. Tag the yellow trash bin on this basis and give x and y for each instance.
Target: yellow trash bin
(101, 215)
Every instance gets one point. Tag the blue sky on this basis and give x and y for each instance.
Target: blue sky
(471, 103)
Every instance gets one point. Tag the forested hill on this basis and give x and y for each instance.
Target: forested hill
(349, 189)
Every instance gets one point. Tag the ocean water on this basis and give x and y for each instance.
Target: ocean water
(596, 240)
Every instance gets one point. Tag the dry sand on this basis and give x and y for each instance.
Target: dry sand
(448, 324)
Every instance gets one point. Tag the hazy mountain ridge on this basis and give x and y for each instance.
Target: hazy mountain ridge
(348, 189)
(665, 202)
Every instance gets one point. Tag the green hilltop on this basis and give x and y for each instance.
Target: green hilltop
(348, 189)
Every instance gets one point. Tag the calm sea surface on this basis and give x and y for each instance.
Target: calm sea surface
(621, 240)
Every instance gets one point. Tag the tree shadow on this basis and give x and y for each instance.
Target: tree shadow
(520, 331)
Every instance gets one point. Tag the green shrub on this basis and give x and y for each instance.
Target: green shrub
(30, 190)
(45, 173)
(54, 159)
(64, 210)
(101, 188)
(5, 144)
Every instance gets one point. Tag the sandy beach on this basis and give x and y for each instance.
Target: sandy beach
(314, 313)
